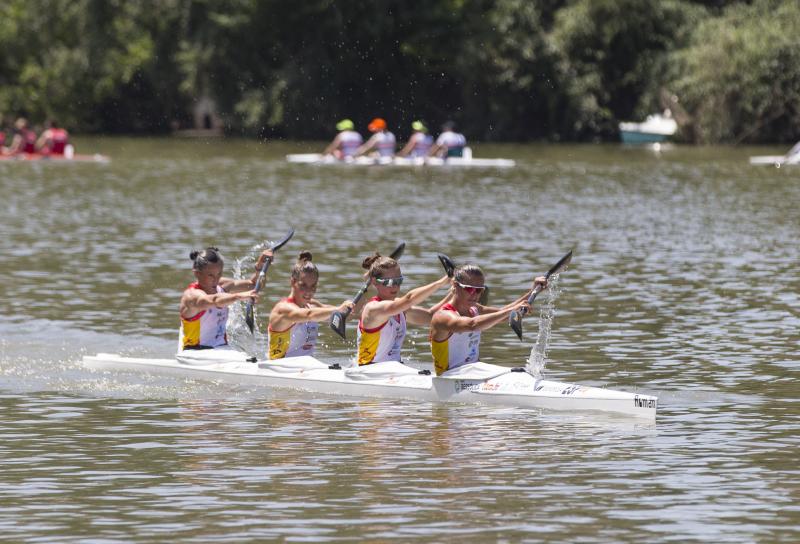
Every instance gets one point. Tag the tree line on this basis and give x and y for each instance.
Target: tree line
(504, 70)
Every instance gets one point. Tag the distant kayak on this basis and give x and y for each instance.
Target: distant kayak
(467, 161)
(50, 158)
(775, 160)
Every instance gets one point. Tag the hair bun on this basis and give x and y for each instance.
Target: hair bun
(304, 256)
(367, 262)
(193, 255)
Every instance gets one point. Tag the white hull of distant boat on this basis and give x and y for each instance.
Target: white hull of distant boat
(655, 129)
(467, 161)
(776, 160)
(473, 383)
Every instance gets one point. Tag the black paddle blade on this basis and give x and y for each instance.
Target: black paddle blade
(560, 265)
(286, 238)
(337, 323)
(248, 315)
(515, 321)
(447, 264)
(398, 251)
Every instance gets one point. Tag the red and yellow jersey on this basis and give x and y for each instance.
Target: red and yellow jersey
(206, 329)
(299, 339)
(382, 343)
(457, 349)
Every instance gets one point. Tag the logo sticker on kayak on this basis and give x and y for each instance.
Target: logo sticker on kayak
(645, 402)
(463, 385)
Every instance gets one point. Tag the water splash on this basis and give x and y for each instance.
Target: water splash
(547, 311)
(239, 335)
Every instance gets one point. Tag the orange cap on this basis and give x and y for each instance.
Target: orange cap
(376, 125)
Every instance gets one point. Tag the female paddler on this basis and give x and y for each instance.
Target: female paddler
(293, 322)
(456, 327)
(382, 326)
(204, 304)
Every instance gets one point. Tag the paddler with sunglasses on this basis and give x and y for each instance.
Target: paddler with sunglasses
(382, 326)
(456, 328)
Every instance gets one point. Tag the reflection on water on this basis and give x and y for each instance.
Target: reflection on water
(683, 285)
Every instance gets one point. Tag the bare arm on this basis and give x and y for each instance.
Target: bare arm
(408, 147)
(378, 312)
(421, 317)
(443, 324)
(333, 146)
(236, 286)
(285, 314)
(195, 301)
(368, 145)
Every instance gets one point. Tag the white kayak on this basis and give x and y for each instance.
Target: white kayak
(319, 159)
(776, 160)
(471, 383)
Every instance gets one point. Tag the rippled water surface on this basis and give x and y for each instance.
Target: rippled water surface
(684, 285)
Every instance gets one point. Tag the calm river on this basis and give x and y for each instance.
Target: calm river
(684, 285)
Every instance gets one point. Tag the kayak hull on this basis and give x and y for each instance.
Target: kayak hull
(478, 383)
(462, 162)
(55, 159)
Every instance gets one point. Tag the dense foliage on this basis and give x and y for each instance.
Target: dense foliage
(503, 69)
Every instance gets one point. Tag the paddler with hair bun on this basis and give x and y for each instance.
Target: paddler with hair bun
(420, 142)
(204, 303)
(382, 326)
(456, 327)
(293, 322)
(346, 143)
(382, 143)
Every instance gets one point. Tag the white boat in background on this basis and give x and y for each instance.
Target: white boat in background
(472, 383)
(466, 161)
(655, 129)
(776, 160)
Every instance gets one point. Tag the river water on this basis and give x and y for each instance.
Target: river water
(684, 284)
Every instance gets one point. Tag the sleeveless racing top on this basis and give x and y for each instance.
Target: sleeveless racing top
(29, 141)
(58, 140)
(385, 143)
(349, 140)
(457, 349)
(206, 329)
(422, 144)
(453, 141)
(381, 343)
(299, 339)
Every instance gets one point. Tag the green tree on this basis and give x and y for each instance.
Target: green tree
(740, 76)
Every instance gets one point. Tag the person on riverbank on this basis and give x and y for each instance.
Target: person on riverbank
(456, 328)
(346, 142)
(204, 303)
(54, 139)
(382, 142)
(294, 320)
(382, 327)
(24, 140)
(419, 144)
(449, 143)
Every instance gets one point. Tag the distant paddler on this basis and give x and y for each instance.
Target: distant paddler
(382, 327)
(54, 140)
(449, 143)
(456, 328)
(24, 140)
(294, 320)
(419, 144)
(345, 144)
(381, 144)
(204, 304)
